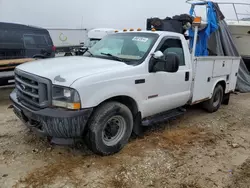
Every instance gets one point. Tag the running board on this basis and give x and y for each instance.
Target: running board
(162, 117)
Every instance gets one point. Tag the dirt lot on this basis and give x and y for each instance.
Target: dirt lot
(194, 151)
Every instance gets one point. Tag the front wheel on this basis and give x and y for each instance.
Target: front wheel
(214, 103)
(109, 128)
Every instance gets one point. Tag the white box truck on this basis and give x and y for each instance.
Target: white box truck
(126, 81)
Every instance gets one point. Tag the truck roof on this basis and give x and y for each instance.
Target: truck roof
(5, 25)
(99, 33)
(157, 32)
(103, 29)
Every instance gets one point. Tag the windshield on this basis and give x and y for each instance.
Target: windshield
(130, 47)
(92, 42)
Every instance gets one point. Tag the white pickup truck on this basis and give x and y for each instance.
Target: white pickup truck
(126, 81)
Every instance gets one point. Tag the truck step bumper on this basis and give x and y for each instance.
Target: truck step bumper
(162, 117)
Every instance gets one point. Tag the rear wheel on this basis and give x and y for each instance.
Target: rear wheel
(110, 128)
(68, 54)
(214, 103)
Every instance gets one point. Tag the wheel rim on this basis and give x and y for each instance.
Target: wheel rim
(217, 98)
(114, 130)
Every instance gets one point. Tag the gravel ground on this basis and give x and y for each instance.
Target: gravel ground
(194, 151)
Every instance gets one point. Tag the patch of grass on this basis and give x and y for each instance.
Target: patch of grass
(190, 185)
(65, 166)
(46, 175)
(170, 139)
(120, 179)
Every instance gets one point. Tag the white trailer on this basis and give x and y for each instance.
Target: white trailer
(68, 41)
(68, 37)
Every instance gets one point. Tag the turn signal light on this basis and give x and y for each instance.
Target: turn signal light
(124, 30)
(197, 20)
(75, 106)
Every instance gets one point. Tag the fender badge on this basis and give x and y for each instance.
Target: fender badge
(59, 79)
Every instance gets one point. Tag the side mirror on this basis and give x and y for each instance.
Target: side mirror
(172, 62)
(164, 63)
(157, 55)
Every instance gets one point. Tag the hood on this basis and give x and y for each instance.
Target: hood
(65, 70)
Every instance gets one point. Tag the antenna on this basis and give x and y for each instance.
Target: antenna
(82, 23)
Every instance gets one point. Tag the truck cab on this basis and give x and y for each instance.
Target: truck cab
(124, 82)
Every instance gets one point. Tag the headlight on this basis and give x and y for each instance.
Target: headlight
(65, 97)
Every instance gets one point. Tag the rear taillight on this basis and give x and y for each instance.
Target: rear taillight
(53, 48)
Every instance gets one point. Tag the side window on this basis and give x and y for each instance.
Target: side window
(10, 36)
(35, 41)
(93, 42)
(48, 40)
(173, 45)
(29, 41)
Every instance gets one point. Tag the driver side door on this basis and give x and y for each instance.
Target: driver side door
(168, 90)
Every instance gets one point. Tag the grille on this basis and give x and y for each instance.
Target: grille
(32, 91)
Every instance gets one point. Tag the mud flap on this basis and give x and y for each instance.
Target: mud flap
(137, 128)
(226, 99)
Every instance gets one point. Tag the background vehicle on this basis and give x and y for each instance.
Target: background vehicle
(19, 44)
(21, 41)
(94, 36)
(68, 42)
(238, 22)
(233, 34)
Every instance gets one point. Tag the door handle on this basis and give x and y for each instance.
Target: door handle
(187, 76)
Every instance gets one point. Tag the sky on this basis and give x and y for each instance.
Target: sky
(95, 13)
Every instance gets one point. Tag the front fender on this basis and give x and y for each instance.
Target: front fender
(94, 97)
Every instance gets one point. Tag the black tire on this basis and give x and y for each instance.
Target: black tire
(214, 103)
(99, 134)
(68, 54)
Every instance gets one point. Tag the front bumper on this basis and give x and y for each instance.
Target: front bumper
(52, 122)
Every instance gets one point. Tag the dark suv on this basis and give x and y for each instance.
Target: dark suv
(22, 41)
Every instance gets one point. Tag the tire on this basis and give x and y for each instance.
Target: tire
(109, 128)
(68, 54)
(214, 103)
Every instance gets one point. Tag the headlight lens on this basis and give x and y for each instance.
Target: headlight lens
(65, 97)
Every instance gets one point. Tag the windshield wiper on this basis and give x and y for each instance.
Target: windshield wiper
(89, 53)
(113, 56)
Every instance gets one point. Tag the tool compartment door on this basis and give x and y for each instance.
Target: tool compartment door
(234, 75)
(203, 80)
(222, 67)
